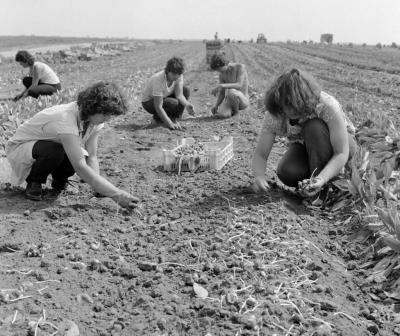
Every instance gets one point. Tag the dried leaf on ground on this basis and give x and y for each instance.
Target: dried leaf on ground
(200, 291)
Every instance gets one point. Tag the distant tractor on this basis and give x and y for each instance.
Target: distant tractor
(213, 47)
(261, 39)
(326, 38)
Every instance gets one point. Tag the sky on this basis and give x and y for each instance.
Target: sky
(357, 21)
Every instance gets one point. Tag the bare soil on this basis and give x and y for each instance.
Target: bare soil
(270, 265)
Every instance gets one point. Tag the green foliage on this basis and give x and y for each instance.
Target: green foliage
(12, 113)
(370, 185)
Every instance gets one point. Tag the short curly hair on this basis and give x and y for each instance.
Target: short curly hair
(175, 65)
(25, 56)
(218, 61)
(295, 89)
(102, 97)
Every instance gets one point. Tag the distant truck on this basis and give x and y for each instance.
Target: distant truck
(326, 38)
(261, 39)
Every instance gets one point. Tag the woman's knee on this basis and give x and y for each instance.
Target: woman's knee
(232, 98)
(172, 107)
(27, 81)
(243, 104)
(230, 93)
(33, 93)
(170, 102)
(290, 175)
(293, 167)
(48, 149)
(318, 143)
(315, 128)
(41, 90)
(149, 106)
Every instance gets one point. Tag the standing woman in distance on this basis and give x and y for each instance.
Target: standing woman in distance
(321, 137)
(62, 140)
(41, 80)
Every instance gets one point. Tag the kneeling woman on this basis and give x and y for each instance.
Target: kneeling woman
(165, 96)
(50, 143)
(41, 80)
(320, 134)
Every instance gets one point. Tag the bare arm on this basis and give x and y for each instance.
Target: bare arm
(179, 93)
(219, 92)
(158, 105)
(91, 147)
(71, 144)
(340, 144)
(182, 99)
(238, 85)
(35, 82)
(220, 98)
(261, 153)
(35, 77)
(260, 158)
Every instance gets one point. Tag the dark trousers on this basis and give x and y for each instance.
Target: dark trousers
(50, 158)
(171, 106)
(302, 160)
(42, 89)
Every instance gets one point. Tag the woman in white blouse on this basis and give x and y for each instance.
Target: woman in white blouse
(165, 96)
(62, 140)
(41, 80)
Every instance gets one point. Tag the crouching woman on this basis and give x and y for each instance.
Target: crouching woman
(42, 80)
(62, 140)
(165, 96)
(321, 137)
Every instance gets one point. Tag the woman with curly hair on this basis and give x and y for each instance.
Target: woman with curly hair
(165, 96)
(50, 143)
(321, 137)
(42, 80)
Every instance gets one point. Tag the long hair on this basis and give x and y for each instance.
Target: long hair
(295, 89)
(101, 97)
(25, 56)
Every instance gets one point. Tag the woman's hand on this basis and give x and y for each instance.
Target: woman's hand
(216, 90)
(175, 126)
(260, 184)
(125, 199)
(18, 97)
(310, 187)
(214, 110)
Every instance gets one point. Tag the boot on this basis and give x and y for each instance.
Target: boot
(33, 191)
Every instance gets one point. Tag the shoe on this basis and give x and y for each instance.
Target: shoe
(33, 191)
(155, 121)
(59, 185)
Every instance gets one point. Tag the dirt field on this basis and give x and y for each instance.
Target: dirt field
(270, 265)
